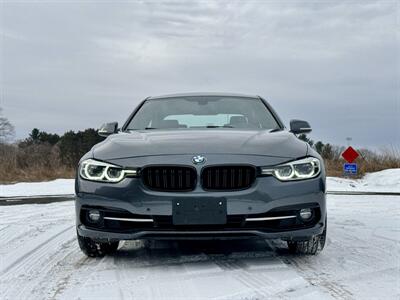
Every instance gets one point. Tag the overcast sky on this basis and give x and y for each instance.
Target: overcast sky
(76, 65)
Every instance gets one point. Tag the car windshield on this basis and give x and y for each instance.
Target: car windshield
(203, 112)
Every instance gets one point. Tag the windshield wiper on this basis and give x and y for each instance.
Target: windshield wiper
(216, 126)
(275, 130)
(147, 128)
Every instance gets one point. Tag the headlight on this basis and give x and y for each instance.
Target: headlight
(305, 168)
(95, 170)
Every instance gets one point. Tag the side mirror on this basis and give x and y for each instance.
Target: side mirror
(299, 126)
(108, 129)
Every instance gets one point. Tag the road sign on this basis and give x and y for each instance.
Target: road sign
(350, 154)
(350, 169)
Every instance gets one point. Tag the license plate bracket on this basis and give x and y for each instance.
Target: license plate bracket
(203, 211)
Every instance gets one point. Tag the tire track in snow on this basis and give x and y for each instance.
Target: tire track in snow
(3, 232)
(55, 272)
(251, 281)
(263, 273)
(317, 277)
(29, 253)
(28, 270)
(13, 237)
(75, 262)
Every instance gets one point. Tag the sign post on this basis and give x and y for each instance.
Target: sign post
(350, 155)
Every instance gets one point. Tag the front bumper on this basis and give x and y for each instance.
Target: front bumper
(106, 236)
(265, 197)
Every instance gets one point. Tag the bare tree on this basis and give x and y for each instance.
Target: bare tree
(6, 129)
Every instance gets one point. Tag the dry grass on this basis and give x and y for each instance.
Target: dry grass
(35, 175)
(34, 163)
(367, 162)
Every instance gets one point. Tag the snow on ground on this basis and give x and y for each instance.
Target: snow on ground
(40, 259)
(55, 187)
(383, 181)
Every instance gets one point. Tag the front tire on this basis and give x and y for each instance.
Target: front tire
(309, 247)
(96, 249)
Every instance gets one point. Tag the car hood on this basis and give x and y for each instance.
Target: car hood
(205, 141)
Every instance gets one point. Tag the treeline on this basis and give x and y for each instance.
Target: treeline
(71, 146)
(327, 151)
(45, 156)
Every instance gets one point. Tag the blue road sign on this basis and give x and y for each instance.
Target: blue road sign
(350, 169)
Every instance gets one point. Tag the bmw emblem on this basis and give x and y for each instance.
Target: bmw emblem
(198, 159)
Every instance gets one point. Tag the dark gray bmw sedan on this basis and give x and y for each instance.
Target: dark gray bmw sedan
(201, 166)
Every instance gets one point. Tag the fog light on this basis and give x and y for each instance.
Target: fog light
(306, 214)
(94, 215)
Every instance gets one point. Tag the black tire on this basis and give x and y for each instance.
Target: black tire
(309, 247)
(96, 249)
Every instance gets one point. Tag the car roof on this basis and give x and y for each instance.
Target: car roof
(203, 94)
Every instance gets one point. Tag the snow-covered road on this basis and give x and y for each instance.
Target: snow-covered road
(40, 259)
